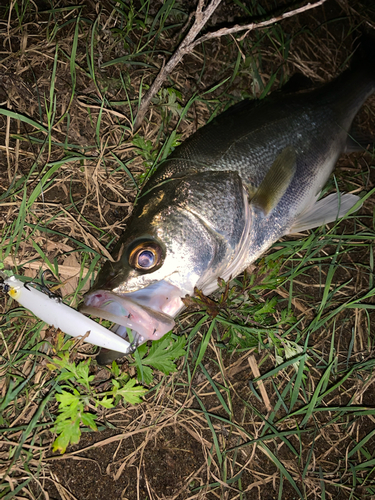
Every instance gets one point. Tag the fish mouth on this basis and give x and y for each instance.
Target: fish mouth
(149, 312)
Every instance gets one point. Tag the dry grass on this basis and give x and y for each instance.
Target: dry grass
(70, 175)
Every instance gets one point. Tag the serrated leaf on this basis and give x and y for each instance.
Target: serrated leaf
(176, 349)
(85, 380)
(106, 402)
(165, 365)
(122, 378)
(82, 369)
(61, 443)
(147, 374)
(64, 376)
(59, 341)
(67, 398)
(115, 369)
(267, 308)
(88, 419)
(70, 433)
(163, 351)
(161, 356)
(69, 412)
(130, 392)
(142, 350)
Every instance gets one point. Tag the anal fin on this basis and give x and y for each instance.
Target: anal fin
(329, 209)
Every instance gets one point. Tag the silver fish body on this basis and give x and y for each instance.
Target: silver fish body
(223, 197)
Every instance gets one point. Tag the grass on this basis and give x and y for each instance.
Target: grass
(274, 396)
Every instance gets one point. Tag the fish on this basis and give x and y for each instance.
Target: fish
(247, 178)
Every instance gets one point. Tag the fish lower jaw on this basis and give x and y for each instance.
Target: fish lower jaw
(148, 324)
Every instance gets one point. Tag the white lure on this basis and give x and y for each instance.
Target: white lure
(54, 312)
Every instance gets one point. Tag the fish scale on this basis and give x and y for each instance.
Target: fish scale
(224, 196)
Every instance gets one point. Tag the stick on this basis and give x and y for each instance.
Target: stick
(188, 45)
(252, 26)
(201, 19)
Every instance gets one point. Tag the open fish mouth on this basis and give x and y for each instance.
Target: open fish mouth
(149, 313)
(149, 324)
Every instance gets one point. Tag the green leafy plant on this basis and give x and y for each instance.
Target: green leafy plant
(145, 149)
(245, 309)
(77, 394)
(161, 356)
(167, 98)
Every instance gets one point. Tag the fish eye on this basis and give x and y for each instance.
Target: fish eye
(145, 256)
(146, 259)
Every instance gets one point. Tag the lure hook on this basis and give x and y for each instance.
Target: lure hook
(43, 287)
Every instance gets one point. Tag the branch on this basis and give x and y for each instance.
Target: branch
(189, 43)
(201, 19)
(252, 26)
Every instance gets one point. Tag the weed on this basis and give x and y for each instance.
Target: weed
(76, 394)
(274, 390)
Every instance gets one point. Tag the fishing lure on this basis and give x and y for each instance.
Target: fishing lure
(50, 308)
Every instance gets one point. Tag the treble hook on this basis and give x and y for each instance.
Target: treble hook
(43, 287)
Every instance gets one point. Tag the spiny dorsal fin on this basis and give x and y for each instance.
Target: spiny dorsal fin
(276, 181)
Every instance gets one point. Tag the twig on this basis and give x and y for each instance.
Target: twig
(252, 26)
(201, 19)
(189, 43)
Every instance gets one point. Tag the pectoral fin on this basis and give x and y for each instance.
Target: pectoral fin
(276, 181)
(329, 209)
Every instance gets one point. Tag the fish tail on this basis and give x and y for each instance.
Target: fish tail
(356, 84)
